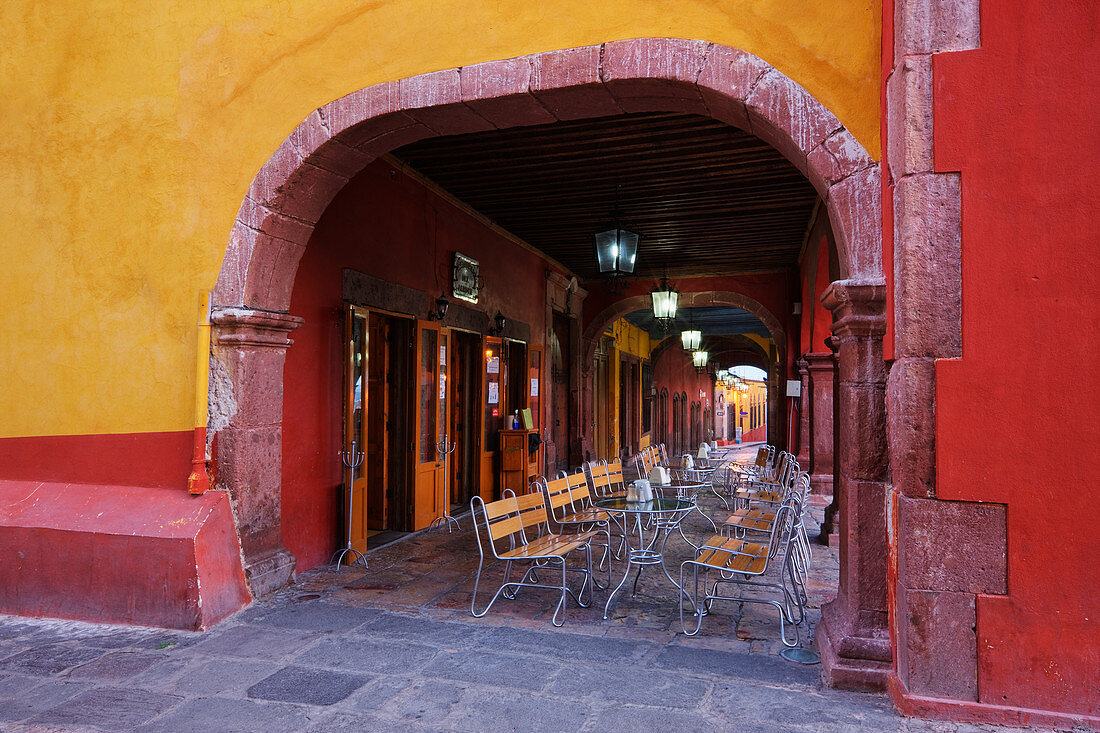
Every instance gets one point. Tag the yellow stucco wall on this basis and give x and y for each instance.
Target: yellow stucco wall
(131, 131)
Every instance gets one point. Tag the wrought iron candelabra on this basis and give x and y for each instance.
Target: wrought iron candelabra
(352, 459)
(445, 449)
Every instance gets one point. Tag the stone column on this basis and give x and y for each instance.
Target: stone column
(246, 412)
(777, 429)
(853, 635)
(821, 368)
(804, 414)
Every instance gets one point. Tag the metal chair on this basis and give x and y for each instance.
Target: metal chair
(516, 529)
(569, 500)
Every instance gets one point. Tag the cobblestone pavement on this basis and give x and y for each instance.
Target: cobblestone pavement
(394, 648)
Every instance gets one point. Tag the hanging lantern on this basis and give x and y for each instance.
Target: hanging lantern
(691, 339)
(699, 359)
(665, 300)
(616, 250)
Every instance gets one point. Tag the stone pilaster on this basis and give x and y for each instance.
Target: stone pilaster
(246, 410)
(821, 368)
(804, 415)
(853, 636)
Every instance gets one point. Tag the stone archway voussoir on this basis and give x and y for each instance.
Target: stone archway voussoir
(784, 115)
(500, 92)
(856, 212)
(568, 83)
(655, 74)
(726, 81)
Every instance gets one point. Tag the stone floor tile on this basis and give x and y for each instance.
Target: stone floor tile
(380, 656)
(49, 659)
(307, 685)
(629, 684)
(510, 711)
(634, 718)
(230, 716)
(116, 666)
(498, 670)
(755, 668)
(377, 693)
(27, 702)
(344, 722)
(423, 701)
(254, 642)
(424, 630)
(561, 644)
(315, 616)
(112, 708)
(223, 677)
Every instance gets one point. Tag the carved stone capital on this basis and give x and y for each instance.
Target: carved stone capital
(858, 307)
(244, 327)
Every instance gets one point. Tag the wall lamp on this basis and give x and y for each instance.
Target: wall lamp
(440, 310)
(499, 322)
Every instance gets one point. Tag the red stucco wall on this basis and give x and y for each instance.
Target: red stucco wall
(389, 226)
(1016, 416)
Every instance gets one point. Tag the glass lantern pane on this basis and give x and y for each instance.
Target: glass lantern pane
(607, 249)
(628, 250)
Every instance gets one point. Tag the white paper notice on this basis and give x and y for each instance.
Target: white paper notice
(534, 388)
(493, 365)
(494, 393)
(442, 355)
(442, 386)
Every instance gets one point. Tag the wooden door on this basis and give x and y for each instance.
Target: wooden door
(464, 384)
(428, 471)
(356, 513)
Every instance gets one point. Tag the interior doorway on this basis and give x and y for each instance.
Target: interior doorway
(560, 358)
(377, 405)
(464, 463)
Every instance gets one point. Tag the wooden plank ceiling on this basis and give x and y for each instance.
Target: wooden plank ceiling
(705, 197)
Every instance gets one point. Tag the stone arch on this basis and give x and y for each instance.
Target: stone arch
(626, 305)
(286, 199)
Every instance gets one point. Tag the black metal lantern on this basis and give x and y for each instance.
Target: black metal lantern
(440, 310)
(499, 321)
(616, 250)
(665, 300)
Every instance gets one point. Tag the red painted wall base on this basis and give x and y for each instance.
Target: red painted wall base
(968, 711)
(119, 554)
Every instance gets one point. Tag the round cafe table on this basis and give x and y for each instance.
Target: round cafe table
(661, 515)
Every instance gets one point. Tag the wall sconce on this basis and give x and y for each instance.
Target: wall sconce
(440, 310)
(499, 322)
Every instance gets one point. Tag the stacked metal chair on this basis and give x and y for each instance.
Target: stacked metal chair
(764, 544)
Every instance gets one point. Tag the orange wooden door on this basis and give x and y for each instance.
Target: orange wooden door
(428, 490)
(356, 393)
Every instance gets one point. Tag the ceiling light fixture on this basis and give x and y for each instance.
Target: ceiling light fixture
(665, 300)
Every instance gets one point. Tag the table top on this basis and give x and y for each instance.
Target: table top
(680, 483)
(653, 506)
